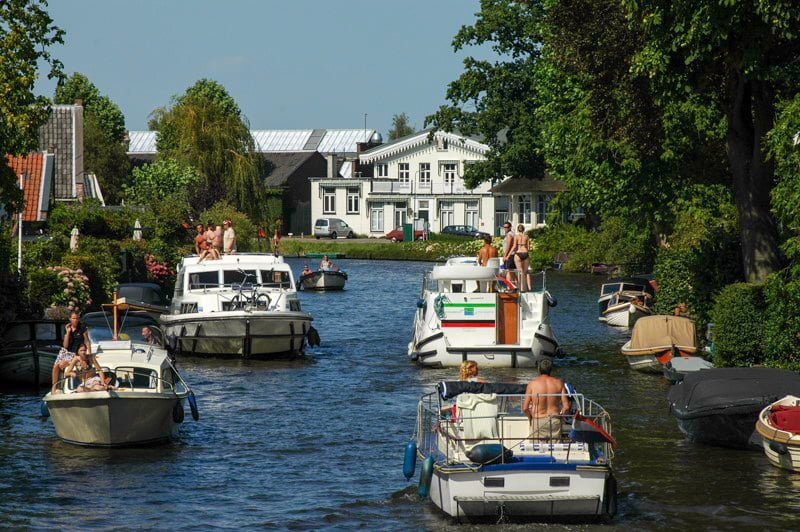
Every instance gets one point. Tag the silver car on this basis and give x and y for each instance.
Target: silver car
(332, 227)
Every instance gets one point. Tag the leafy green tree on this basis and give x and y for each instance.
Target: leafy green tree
(204, 129)
(27, 34)
(400, 127)
(106, 112)
(163, 178)
(730, 62)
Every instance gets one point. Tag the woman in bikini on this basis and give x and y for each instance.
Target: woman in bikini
(83, 366)
(522, 247)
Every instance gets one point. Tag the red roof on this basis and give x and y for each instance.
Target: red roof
(31, 166)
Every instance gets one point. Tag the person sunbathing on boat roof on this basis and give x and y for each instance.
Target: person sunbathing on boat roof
(545, 403)
(83, 366)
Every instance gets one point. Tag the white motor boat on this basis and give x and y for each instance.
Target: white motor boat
(323, 280)
(144, 401)
(28, 351)
(779, 426)
(623, 300)
(624, 308)
(480, 459)
(464, 313)
(242, 305)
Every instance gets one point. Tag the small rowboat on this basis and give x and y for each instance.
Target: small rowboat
(323, 280)
(655, 340)
(779, 426)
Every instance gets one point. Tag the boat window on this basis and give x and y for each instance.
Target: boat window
(132, 332)
(237, 277)
(133, 377)
(17, 333)
(611, 288)
(200, 280)
(179, 285)
(633, 287)
(46, 331)
(275, 279)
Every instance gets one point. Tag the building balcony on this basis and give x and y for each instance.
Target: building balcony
(393, 186)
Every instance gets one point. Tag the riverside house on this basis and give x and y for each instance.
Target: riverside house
(412, 179)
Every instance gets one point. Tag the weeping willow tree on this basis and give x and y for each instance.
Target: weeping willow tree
(203, 130)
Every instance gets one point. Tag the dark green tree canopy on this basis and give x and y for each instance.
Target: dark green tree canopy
(27, 34)
(107, 113)
(401, 127)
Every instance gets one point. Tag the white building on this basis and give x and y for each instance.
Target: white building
(413, 178)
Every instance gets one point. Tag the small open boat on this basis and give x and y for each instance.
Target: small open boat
(480, 459)
(323, 280)
(779, 426)
(656, 340)
(625, 308)
(143, 403)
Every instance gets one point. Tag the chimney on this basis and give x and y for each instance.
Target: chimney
(332, 170)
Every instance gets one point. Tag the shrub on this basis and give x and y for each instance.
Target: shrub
(738, 316)
(58, 286)
(91, 219)
(43, 284)
(162, 179)
(554, 239)
(100, 261)
(782, 322)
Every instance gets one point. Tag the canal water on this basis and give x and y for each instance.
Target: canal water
(318, 443)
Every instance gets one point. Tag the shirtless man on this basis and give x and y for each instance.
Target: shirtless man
(544, 412)
(488, 251)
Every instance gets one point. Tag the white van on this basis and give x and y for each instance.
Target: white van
(332, 227)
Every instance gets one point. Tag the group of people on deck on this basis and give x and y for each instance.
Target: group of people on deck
(546, 399)
(212, 240)
(516, 255)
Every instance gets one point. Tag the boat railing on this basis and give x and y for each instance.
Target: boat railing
(133, 381)
(538, 282)
(441, 433)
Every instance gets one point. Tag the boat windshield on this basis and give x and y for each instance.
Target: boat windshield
(611, 288)
(275, 279)
(131, 328)
(201, 280)
(239, 277)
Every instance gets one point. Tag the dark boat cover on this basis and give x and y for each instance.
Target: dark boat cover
(450, 389)
(730, 391)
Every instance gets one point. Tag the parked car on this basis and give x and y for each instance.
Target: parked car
(464, 230)
(396, 235)
(332, 227)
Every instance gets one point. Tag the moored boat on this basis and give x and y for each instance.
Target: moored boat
(656, 340)
(676, 369)
(720, 406)
(479, 459)
(242, 306)
(779, 427)
(28, 351)
(625, 308)
(323, 280)
(143, 403)
(626, 289)
(146, 296)
(460, 316)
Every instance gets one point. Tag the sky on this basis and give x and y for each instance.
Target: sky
(289, 64)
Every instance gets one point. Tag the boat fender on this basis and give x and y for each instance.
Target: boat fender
(425, 476)
(489, 453)
(410, 460)
(420, 303)
(551, 301)
(610, 496)
(177, 413)
(779, 448)
(313, 337)
(193, 406)
(44, 410)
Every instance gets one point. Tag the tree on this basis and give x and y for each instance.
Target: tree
(729, 61)
(165, 177)
(26, 35)
(104, 133)
(400, 127)
(205, 130)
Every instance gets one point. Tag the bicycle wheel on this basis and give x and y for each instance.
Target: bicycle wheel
(263, 301)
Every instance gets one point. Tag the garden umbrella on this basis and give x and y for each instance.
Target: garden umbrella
(137, 230)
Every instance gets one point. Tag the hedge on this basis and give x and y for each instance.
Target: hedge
(738, 315)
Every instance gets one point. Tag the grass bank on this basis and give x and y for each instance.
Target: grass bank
(424, 250)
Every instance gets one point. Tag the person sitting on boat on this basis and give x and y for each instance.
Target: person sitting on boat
(88, 369)
(469, 372)
(326, 265)
(148, 336)
(75, 335)
(306, 270)
(202, 247)
(545, 403)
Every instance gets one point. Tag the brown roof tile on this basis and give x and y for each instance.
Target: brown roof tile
(31, 166)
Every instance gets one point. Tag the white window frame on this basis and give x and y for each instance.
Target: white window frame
(403, 173)
(543, 202)
(450, 171)
(353, 203)
(382, 170)
(376, 218)
(424, 174)
(328, 201)
(472, 212)
(524, 209)
(447, 211)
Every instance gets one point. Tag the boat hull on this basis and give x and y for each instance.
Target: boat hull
(106, 419)
(324, 281)
(523, 494)
(26, 368)
(239, 334)
(781, 447)
(735, 430)
(435, 351)
(624, 315)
